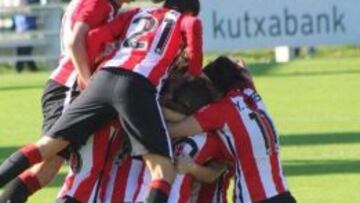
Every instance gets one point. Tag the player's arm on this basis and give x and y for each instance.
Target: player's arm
(206, 174)
(184, 128)
(91, 14)
(192, 32)
(207, 119)
(99, 37)
(172, 116)
(88, 16)
(78, 53)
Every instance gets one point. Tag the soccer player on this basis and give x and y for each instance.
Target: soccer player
(200, 158)
(129, 176)
(246, 129)
(127, 87)
(62, 86)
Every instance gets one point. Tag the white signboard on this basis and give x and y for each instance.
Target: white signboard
(238, 24)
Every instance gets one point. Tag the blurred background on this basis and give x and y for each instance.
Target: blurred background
(304, 55)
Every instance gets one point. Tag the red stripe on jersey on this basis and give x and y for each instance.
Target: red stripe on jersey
(121, 181)
(276, 173)
(205, 193)
(185, 189)
(101, 139)
(77, 9)
(245, 151)
(274, 158)
(139, 183)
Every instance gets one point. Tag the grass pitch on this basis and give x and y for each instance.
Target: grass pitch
(315, 104)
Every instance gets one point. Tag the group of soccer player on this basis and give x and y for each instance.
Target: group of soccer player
(139, 120)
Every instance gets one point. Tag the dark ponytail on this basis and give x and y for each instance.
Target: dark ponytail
(227, 75)
(183, 6)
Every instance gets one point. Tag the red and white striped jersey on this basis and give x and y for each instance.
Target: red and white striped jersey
(250, 137)
(202, 148)
(128, 181)
(88, 163)
(92, 12)
(129, 177)
(151, 42)
(215, 192)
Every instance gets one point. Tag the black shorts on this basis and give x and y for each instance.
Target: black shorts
(67, 199)
(285, 197)
(55, 99)
(115, 92)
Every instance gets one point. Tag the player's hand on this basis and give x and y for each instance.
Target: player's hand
(82, 83)
(185, 164)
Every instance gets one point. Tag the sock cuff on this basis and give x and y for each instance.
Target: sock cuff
(31, 181)
(161, 185)
(32, 153)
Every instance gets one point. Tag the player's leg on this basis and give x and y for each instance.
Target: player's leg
(136, 102)
(87, 113)
(30, 181)
(29, 155)
(285, 197)
(54, 100)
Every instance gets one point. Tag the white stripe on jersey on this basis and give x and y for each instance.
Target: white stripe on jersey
(66, 26)
(199, 139)
(124, 53)
(144, 187)
(175, 194)
(241, 191)
(132, 180)
(110, 185)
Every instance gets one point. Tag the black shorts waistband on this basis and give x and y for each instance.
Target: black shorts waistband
(129, 73)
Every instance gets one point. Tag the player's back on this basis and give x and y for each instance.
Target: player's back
(252, 140)
(151, 43)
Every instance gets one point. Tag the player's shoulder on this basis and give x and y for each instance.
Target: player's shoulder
(219, 106)
(189, 18)
(223, 102)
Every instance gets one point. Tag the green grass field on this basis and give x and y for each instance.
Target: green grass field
(314, 102)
